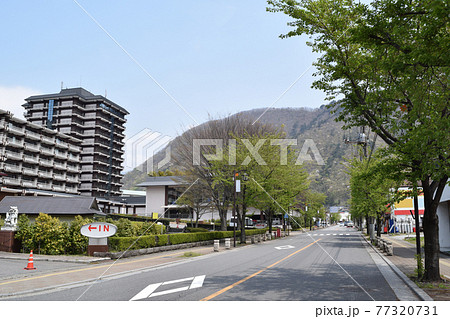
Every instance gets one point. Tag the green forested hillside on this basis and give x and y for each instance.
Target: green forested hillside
(301, 124)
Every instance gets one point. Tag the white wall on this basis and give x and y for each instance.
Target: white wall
(443, 213)
(155, 199)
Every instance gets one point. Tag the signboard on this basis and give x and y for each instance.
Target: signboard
(98, 230)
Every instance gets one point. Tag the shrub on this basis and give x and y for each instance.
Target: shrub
(196, 230)
(77, 243)
(25, 233)
(123, 243)
(50, 235)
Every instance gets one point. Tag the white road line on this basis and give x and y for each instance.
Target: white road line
(170, 291)
(197, 282)
(147, 291)
(285, 247)
(178, 280)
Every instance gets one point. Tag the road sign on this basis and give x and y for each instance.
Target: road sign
(98, 230)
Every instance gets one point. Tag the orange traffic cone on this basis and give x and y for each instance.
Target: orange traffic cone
(30, 265)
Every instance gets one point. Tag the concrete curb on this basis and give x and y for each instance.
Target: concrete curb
(419, 292)
(57, 259)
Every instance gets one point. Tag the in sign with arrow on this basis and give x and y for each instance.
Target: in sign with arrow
(98, 230)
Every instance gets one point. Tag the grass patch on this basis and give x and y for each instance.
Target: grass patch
(191, 254)
(412, 240)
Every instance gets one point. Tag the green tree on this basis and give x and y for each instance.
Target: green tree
(371, 191)
(378, 58)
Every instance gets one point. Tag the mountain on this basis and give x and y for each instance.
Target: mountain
(320, 126)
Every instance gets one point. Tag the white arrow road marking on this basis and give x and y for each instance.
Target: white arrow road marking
(285, 247)
(148, 291)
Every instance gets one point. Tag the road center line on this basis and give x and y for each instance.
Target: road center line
(255, 274)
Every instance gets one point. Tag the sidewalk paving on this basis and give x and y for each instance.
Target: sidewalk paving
(404, 259)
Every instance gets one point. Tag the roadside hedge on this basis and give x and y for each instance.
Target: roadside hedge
(123, 243)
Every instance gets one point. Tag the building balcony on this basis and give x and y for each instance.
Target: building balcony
(31, 148)
(72, 169)
(72, 158)
(13, 155)
(74, 148)
(85, 186)
(47, 163)
(58, 188)
(71, 179)
(47, 151)
(16, 130)
(59, 177)
(61, 166)
(62, 145)
(29, 171)
(44, 186)
(47, 140)
(14, 143)
(11, 181)
(29, 184)
(30, 159)
(61, 155)
(32, 136)
(72, 190)
(12, 168)
(45, 174)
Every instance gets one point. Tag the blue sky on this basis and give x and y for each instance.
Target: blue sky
(214, 57)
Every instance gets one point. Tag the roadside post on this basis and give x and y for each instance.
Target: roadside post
(98, 234)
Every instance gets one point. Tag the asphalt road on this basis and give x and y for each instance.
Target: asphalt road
(329, 264)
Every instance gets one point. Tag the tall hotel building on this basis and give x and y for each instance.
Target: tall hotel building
(98, 123)
(35, 160)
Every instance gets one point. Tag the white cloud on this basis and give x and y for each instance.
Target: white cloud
(12, 98)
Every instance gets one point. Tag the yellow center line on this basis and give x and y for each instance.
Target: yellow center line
(255, 274)
(89, 268)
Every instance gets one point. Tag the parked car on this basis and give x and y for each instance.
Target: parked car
(349, 224)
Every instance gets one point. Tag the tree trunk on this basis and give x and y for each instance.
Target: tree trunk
(378, 225)
(432, 195)
(223, 219)
(269, 220)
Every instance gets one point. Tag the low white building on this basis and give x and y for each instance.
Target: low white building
(443, 212)
(161, 192)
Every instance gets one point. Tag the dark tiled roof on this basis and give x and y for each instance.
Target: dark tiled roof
(51, 205)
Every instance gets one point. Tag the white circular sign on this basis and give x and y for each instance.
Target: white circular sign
(98, 230)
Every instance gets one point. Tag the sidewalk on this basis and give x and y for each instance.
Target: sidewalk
(404, 259)
(404, 256)
(62, 258)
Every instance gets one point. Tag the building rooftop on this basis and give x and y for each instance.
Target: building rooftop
(162, 181)
(77, 92)
(33, 205)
